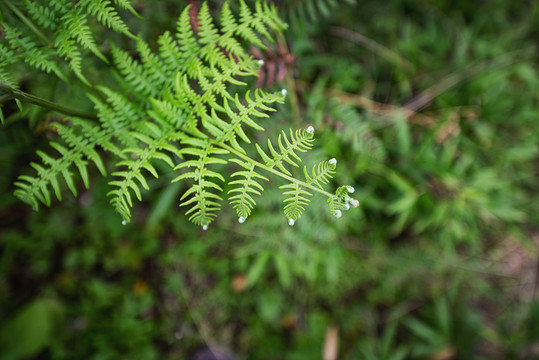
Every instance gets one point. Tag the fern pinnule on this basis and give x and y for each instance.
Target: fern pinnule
(240, 196)
(126, 4)
(119, 111)
(297, 200)
(80, 147)
(68, 49)
(228, 25)
(107, 15)
(136, 77)
(207, 32)
(300, 141)
(75, 24)
(227, 131)
(321, 174)
(28, 50)
(205, 202)
(167, 112)
(188, 45)
(44, 16)
(170, 52)
(157, 146)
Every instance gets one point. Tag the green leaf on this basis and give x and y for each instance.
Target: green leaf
(32, 329)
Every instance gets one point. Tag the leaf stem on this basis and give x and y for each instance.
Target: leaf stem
(32, 99)
(28, 22)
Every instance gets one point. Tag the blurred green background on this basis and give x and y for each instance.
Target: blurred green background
(431, 109)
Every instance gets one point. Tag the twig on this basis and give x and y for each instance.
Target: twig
(8, 93)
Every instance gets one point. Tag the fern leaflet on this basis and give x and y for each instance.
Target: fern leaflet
(157, 141)
(240, 196)
(300, 141)
(321, 173)
(205, 202)
(297, 200)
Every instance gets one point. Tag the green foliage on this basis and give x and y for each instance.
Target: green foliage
(429, 107)
(186, 92)
(31, 329)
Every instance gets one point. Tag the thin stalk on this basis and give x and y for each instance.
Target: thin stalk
(32, 99)
(291, 84)
(272, 170)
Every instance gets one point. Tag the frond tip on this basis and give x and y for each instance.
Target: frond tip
(342, 201)
(321, 173)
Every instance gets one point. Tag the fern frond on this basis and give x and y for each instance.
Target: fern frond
(204, 202)
(321, 174)
(195, 104)
(211, 43)
(241, 196)
(107, 15)
(297, 200)
(181, 93)
(300, 141)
